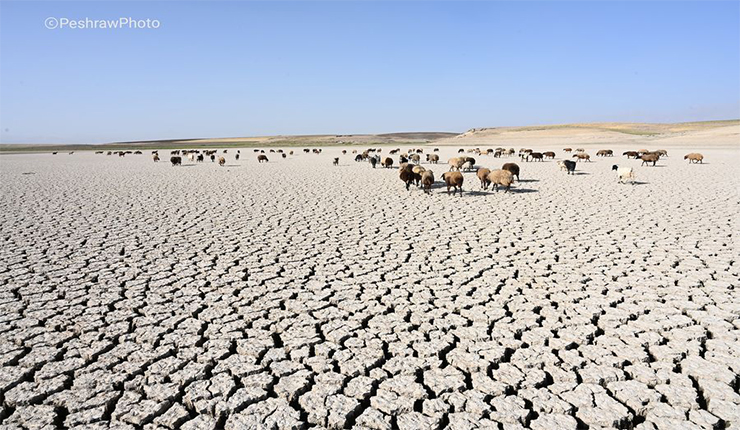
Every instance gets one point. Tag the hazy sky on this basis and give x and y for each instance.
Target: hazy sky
(242, 68)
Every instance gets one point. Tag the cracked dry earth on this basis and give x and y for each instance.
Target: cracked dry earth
(296, 294)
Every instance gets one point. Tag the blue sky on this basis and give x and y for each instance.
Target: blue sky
(244, 68)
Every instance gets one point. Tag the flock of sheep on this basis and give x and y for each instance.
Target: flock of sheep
(411, 172)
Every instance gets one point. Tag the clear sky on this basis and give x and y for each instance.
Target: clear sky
(245, 68)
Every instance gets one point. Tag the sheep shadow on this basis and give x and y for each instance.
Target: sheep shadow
(528, 180)
(581, 173)
(523, 190)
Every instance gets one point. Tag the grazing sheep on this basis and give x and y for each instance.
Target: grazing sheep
(501, 178)
(418, 171)
(630, 154)
(213, 158)
(453, 180)
(455, 163)
(567, 165)
(662, 152)
(108, 153)
(482, 174)
(406, 174)
(415, 158)
(176, 161)
(513, 168)
(624, 174)
(291, 152)
(272, 151)
(536, 156)
(344, 151)
(387, 162)
(261, 158)
(236, 156)
(549, 154)
(221, 161)
(582, 156)
(568, 150)
(336, 161)
(373, 161)
(694, 157)
(497, 154)
(604, 153)
(306, 150)
(427, 179)
(436, 149)
(358, 158)
(580, 150)
(283, 155)
(433, 158)
(460, 151)
(650, 157)
(467, 166)
(155, 157)
(199, 158)
(225, 151)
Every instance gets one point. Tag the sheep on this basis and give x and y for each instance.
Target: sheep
(176, 161)
(261, 158)
(624, 174)
(650, 157)
(662, 152)
(694, 157)
(427, 179)
(460, 151)
(221, 161)
(403, 159)
(225, 151)
(467, 166)
(549, 154)
(358, 158)
(236, 156)
(373, 161)
(640, 152)
(418, 171)
(415, 158)
(344, 151)
(567, 165)
(453, 180)
(436, 149)
(406, 174)
(470, 160)
(497, 154)
(387, 162)
(213, 158)
(283, 155)
(336, 161)
(306, 150)
(199, 158)
(536, 156)
(513, 168)
(501, 178)
(455, 163)
(291, 153)
(433, 158)
(604, 153)
(580, 150)
(630, 154)
(482, 174)
(568, 150)
(582, 156)
(155, 157)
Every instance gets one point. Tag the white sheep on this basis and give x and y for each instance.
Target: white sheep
(624, 174)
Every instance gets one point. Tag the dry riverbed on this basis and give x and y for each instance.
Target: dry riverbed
(297, 294)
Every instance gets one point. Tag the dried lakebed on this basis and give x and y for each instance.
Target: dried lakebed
(297, 294)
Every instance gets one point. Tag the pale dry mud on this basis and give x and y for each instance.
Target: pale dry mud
(297, 294)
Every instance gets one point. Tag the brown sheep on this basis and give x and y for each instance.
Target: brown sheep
(582, 156)
(427, 179)
(453, 180)
(650, 157)
(406, 174)
(631, 154)
(568, 150)
(433, 158)
(501, 178)
(662, 152)
(221, 161)
(694, 157)
(513, 168)
(261, 158)
(549, 154)
(387, 162)
(483, 176)
(456, 163)
(155, 157)
(536, 156)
